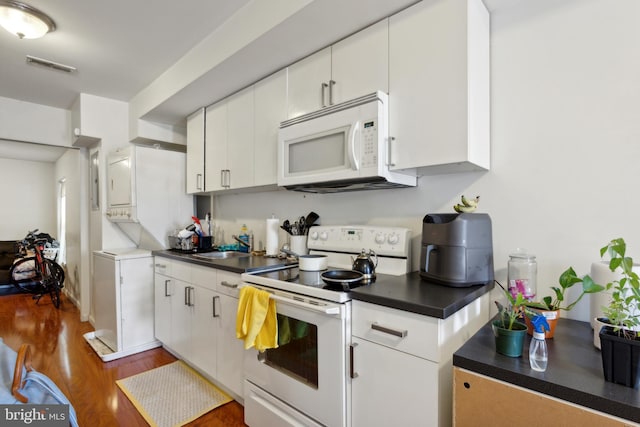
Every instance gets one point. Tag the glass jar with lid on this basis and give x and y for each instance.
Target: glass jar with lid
(522, 274)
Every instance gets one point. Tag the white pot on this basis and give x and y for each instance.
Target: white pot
(597, 325)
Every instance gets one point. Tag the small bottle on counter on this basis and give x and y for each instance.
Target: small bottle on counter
(244, 236)
(538, 356)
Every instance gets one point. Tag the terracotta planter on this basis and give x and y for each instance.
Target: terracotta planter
(620, 358)
(509, 342)
(552, 319)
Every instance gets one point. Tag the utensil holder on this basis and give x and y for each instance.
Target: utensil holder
(298, 244)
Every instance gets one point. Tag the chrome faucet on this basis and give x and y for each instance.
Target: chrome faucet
(243, 243)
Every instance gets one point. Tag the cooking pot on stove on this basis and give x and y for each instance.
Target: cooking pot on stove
(365, 265)
(309, 262)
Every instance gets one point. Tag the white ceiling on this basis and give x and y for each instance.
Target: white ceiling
(118, 47)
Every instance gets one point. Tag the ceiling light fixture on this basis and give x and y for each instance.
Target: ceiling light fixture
(24, 21)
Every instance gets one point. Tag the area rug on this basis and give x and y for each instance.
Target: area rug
(172, 395)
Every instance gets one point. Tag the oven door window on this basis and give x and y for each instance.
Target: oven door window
(297, 352)
(326, 151)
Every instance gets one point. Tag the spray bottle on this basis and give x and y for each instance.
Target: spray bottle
(538, 347)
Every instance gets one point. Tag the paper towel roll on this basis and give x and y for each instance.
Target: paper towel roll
(273, 226)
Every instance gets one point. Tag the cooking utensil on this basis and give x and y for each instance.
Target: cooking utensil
(342, 278)
(286, 226)
(311, 219)
(309, 262)
(302, 225)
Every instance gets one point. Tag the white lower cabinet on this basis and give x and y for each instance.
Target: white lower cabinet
(181, 314)
(195, 319)
(387, 378)
(402, 363)
(163, 289)
(205, 330)
(230, 354)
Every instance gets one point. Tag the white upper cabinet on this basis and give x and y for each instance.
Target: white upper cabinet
(353, 67)
(195, 152)
(309, 83)
(240, 139)
(270, 108)
(360, 63)
(439, 86)
(216, 146)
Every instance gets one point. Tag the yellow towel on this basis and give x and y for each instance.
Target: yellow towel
(256, 321)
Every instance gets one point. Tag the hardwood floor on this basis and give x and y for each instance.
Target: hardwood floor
(60, 352)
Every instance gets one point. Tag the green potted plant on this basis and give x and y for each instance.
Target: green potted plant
(550, 306)
(619, 339)
(507, 328)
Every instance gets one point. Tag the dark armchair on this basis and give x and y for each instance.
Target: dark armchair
(7, 256)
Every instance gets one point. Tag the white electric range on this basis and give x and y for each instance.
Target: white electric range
(305, 381)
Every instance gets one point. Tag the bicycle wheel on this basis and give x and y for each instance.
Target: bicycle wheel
(56, 272)
(54, 293)
(25, 276)
(53, 281)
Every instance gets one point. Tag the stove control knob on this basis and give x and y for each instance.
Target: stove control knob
(393, 239)
(324, 235)
(379, 238)
(314, 235)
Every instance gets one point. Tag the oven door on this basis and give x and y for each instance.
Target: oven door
(308, 370)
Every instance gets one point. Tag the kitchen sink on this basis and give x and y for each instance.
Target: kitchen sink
(221, 255)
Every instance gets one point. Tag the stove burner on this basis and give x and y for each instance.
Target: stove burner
(311, 279)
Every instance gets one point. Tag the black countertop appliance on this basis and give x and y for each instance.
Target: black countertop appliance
(457, 249)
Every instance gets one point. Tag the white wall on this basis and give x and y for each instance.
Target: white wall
(28, 198)
(565, 146)
(25, 121)
(69, 167)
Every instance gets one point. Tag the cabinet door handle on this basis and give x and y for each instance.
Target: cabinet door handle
(389, 162)
(384, 329)
(228, 178)
(222, 178)
(352, 371)
(166, 286)
(229, 284)
(323, 86)
(199, 181)
(188, 300)
(213, 301)
(331, 84)
(191, 299)
(161, 265)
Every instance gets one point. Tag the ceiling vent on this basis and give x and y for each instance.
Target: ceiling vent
(50, 64)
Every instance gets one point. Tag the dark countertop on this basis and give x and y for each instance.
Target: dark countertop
(235, 265)
(408, 292)
(574, 372)
(412, 293)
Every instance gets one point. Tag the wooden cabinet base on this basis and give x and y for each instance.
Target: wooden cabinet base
(483, 401)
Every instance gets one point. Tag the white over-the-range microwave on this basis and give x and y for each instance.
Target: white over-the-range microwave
(344, 147)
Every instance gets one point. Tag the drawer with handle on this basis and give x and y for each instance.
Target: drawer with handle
(228, 283)
(401, 330)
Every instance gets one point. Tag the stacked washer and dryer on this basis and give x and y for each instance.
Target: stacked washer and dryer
(146, 198)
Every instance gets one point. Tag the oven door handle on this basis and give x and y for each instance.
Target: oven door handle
(325, 309)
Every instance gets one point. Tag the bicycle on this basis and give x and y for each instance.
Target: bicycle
(37, 274)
